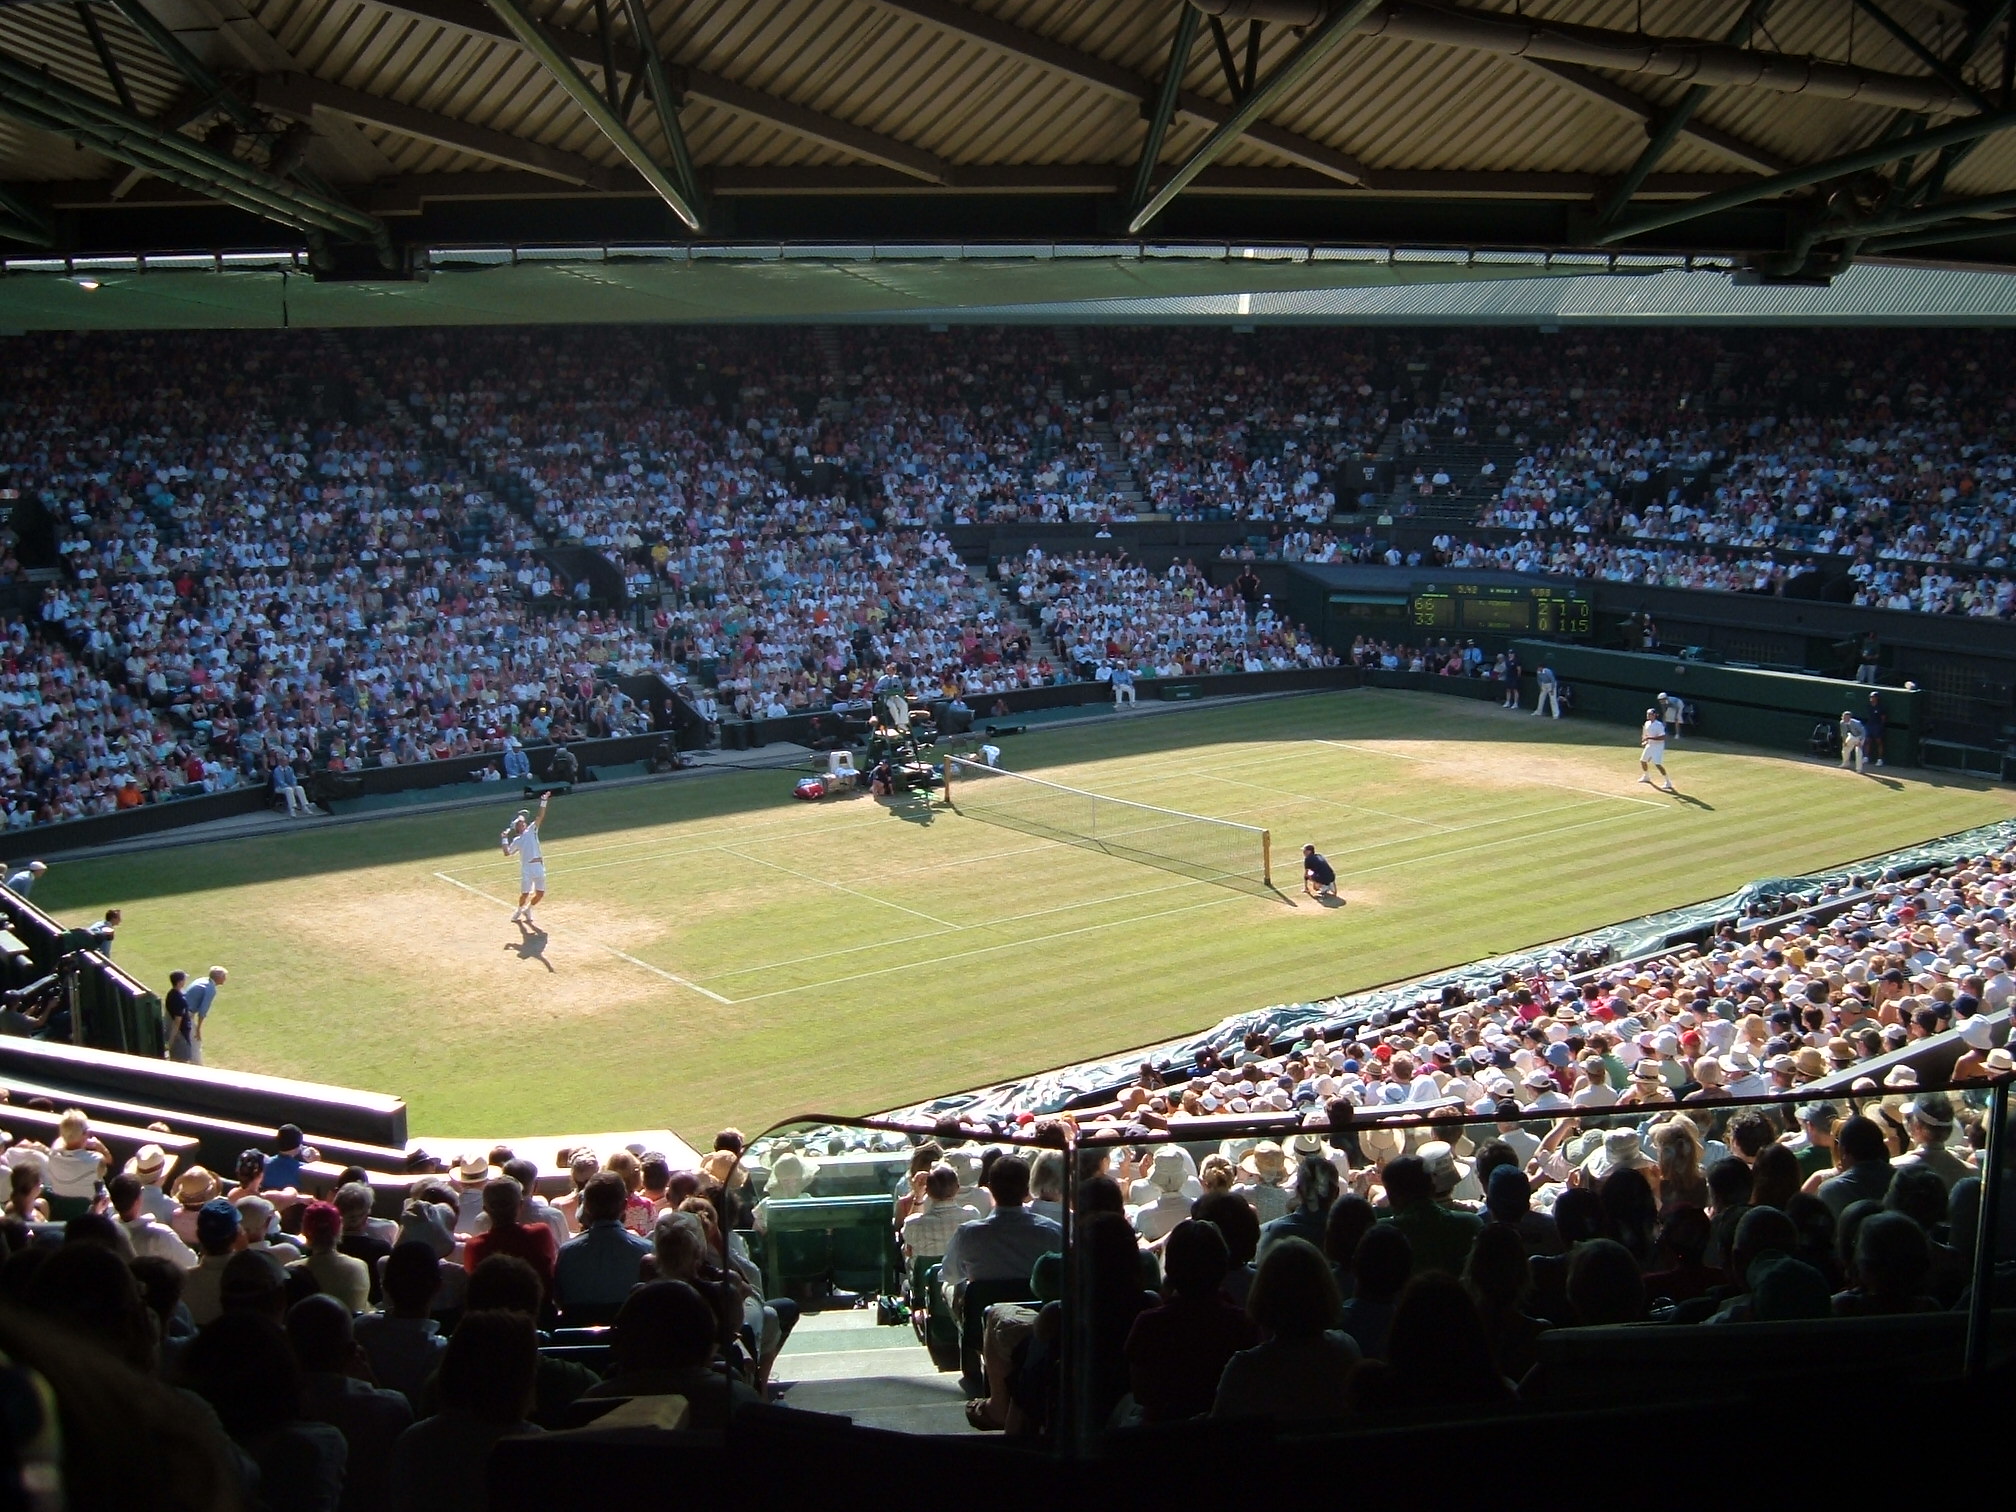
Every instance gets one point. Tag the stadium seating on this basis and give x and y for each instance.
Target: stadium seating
(345, 550)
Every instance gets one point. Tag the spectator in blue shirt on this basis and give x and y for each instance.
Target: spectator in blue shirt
(284, 1168)
(598, 1267)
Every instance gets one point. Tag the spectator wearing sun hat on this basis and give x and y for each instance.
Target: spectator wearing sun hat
(191, 1190)
(150, 1166)
(1928, 1121)
(1265, 1172)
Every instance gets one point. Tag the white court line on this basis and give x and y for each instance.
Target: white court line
(1355, 808)
(1485, 845)
(939, 934)
(488, 898)
(703, 850)
(738, 829)
(836, 886)
(1062, 934)
(725, 1002)
(1566, 787)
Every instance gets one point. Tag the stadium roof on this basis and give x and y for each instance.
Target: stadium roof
(1788, 135)
(1025, 285)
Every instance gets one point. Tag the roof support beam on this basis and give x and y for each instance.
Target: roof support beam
(22, 222)
(1938, 67)
(858, 141)
(188, 64)
(1690, 59)
(1971, 129)
(532, 37)
(300, 96)
(1672, 122)
(1086, 68)
(1165, 101)
(1605, 91)
(113, 74)
(51, 105)
(1940, 238)
(665, 100)
(1932, 215)
(1314, 47)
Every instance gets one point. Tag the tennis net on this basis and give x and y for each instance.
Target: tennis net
(1190, 844)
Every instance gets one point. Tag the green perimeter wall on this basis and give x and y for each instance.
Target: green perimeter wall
(1773, 709)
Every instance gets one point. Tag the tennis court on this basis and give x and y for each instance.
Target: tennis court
(714, 952)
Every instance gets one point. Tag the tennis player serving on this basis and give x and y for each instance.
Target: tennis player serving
(521, 839)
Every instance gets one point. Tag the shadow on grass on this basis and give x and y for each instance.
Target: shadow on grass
(1363, 716)
(532, 947)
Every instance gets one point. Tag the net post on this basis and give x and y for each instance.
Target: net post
(945, 773)
(1267, 857)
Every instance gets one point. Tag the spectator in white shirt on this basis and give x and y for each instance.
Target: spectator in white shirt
(147, 1234)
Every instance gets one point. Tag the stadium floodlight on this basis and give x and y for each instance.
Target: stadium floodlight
(1210, 850)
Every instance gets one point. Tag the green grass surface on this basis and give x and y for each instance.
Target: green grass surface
(719, 953)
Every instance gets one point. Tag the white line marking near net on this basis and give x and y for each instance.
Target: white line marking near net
(655, 971)
(1566, 787)
(836, 886)
(962, 955)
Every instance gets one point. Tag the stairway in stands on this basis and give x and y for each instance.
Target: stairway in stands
(828, 339)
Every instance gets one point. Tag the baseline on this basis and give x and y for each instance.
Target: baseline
(1566, 787)
(655, 971)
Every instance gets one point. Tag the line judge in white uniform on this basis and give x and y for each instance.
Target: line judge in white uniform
(521, 839)
(1652, 750)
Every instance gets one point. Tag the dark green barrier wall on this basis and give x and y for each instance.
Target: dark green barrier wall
(1772, 709)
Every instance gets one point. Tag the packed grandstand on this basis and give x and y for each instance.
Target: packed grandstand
(347, 550)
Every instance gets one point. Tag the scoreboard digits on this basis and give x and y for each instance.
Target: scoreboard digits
(1515, 609)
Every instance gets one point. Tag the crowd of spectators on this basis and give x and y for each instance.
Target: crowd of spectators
(340, 550)
(1593, 1168)
(1101, 611)
(281, 1349)
(1221, 425)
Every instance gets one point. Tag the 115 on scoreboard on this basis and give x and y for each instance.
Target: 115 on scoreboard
(1502, 609)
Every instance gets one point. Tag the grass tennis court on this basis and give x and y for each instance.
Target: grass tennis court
(716, 952)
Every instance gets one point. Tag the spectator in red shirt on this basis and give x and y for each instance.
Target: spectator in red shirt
(1177, 1352)
(503, 1200)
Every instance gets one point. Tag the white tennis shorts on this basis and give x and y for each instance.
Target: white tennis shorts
(1654, 752)
(532, 876)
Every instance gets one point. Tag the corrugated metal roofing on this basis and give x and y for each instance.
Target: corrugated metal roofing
(902, 70)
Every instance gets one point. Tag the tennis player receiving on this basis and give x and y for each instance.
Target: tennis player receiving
(521, 839)
(1652, 750)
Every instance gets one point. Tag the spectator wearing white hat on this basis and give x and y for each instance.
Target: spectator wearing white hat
(1928, 1121)
(150, 1166)
(1169, 1180)
(22, 879)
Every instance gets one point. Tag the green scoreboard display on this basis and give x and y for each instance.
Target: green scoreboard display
(1502, 609)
